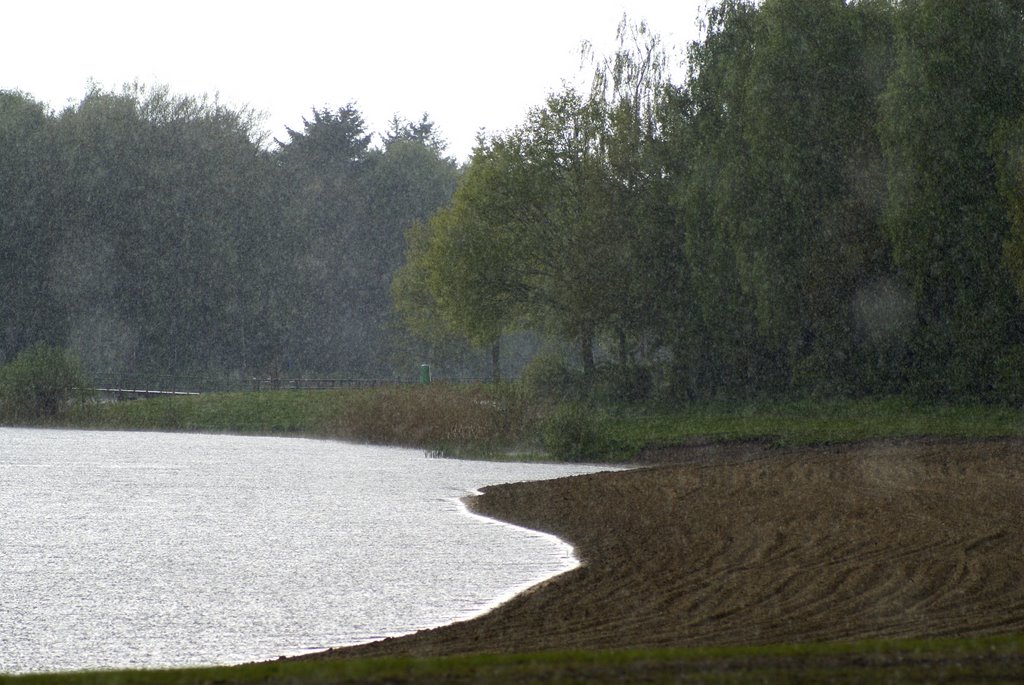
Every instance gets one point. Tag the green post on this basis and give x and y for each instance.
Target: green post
(424, 373)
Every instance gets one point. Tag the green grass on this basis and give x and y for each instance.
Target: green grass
(991, 660)
(481, 421)
(813, 423)
(473, 419)
(272, 412)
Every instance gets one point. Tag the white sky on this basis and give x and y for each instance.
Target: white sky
(469, 65)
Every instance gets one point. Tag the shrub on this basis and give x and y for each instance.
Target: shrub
(573, 432)
(39, 382)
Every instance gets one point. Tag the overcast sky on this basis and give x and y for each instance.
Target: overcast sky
(469, 65)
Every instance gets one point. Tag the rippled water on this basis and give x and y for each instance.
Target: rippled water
(152, 549)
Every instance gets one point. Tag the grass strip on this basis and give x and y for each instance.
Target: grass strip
(483, 421)
(987, 659)
(813, 422)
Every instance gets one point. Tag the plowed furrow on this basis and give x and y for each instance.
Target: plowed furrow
(751, 546)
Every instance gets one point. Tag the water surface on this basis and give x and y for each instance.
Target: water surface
(152, 549)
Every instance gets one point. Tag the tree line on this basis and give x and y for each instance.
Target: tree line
(831, 201)
(152, 232)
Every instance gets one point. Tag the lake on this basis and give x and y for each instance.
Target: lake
(130, 549)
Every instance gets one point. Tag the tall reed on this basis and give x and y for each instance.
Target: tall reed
(453, 419)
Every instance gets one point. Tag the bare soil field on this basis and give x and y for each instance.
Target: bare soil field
(748, 545)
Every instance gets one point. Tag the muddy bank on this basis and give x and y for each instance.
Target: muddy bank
(744, 544)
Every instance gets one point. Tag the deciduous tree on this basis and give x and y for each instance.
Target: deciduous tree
(959, 74)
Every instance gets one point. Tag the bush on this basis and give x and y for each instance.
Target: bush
(573, 432)
(39, 382)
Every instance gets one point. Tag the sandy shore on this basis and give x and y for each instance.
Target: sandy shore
(741, 544)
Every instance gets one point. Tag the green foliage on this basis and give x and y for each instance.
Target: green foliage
(165, 212)
(959, 73)
(716, 344)
(792, 277)
(347, 206)
(39, 383)
(1008, 148)
(28, 224)
(550, 380)
(575, 432)
(616, 384)
(477, 420)
(779, 184)
(154, 232)
(1008, 375)
(805, 214)
(828, 204)
(427, 334)
(468, 274)
(552, 221)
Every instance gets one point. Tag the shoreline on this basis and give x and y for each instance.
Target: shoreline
(744, 544)
(569, 555)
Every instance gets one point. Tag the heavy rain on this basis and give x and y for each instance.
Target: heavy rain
(777, 269)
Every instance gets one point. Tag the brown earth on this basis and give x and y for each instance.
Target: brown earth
(744, 544)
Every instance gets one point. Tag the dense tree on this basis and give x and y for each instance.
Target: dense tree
(470, 254)
(324, 169)
(779, 179)
(1009, 148)
(101, 141)
(809, 239)
(630, 89)
(527, 239)
(29, 313)
(719, 345)
(424, 132)
(410, 180)
(427, 336)
(570, 249)
(556, 224)
(348, 204)
(829, 202)
(154, 232)
(161, 202)
(959, 74)
(785, 258)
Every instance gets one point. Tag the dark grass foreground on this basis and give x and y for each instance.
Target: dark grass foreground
(990, 660)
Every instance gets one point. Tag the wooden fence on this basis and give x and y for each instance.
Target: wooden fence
(141, 385)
